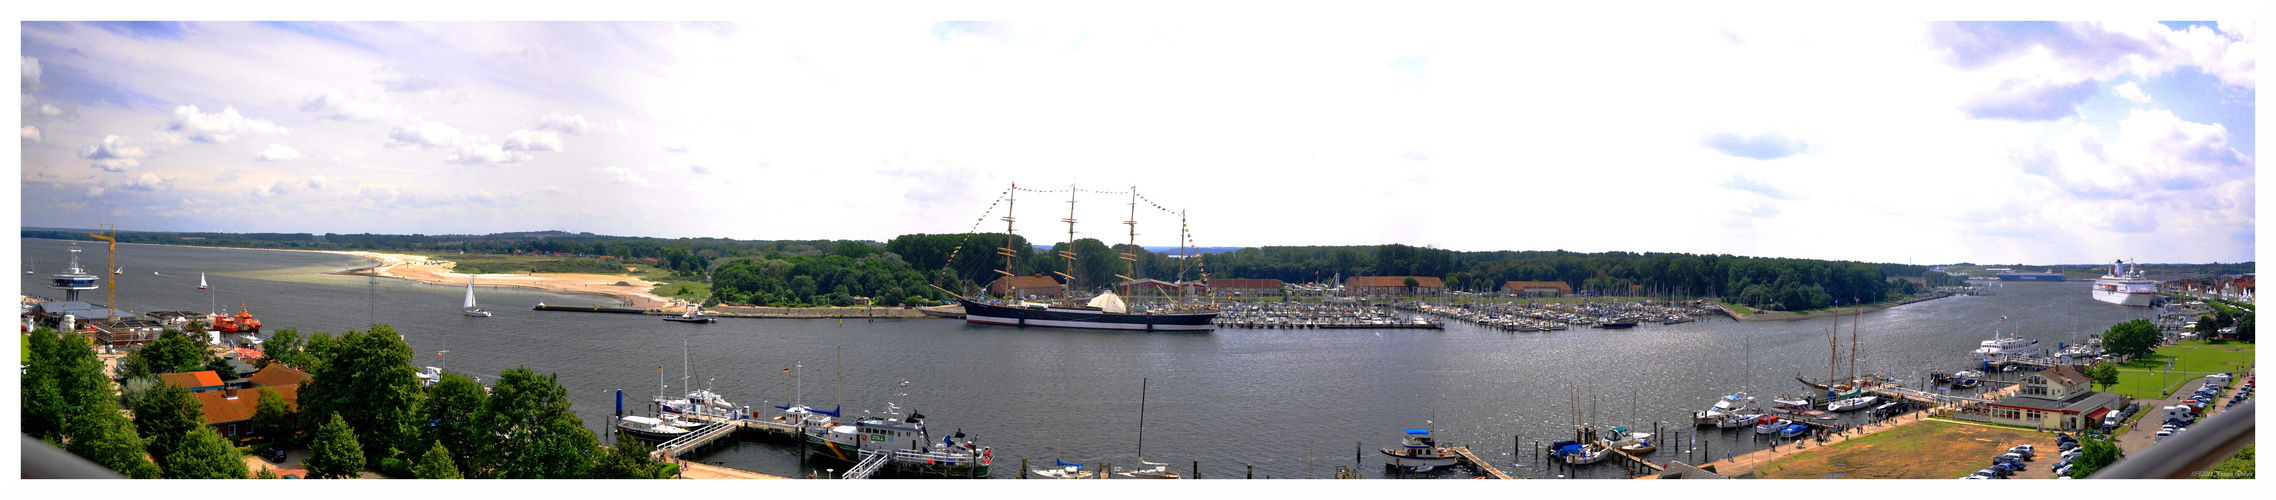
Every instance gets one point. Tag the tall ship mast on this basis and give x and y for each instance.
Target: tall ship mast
(1107, 311)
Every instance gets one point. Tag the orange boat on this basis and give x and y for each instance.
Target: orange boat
(243, 322)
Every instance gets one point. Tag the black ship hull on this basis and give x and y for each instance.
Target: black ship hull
(1089, 319)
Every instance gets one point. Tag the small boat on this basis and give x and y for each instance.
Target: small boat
(470, 309)
(1770, 425)
(693, 314)
(650, 428)
(1853, 404)
(1639, 443)
(1578, 453)
(1617, 325)
(1967, 379)
(1799, 408)
(1066, 471)
(1793, 430)
(1737, 420)
(120, 270)
(201, 281)
(1418, 450)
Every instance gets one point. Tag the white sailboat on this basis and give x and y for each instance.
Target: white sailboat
(201, 281)
(470, 309)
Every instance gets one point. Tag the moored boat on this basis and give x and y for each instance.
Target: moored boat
(649, 428)
(1770, 425)
(2126, 288)
(1852, 404)
(1418, 449)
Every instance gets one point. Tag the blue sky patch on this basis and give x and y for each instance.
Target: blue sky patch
(171, 30)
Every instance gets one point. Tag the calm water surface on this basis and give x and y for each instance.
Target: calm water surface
(1293, 403)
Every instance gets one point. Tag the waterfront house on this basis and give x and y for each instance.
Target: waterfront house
(1536, 289)
(1023, 287)
(2059, 398)
(197, 381)
(1394, 285)
(1244, 287)
(230, 410)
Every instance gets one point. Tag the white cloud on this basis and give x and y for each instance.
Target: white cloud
(700, 169)
(621, 175)
(94, 191)
(675, 149)
(147, 182)
(220, 127)
(277, 152)
(318, 183)
(355, 107)
(574, 124)
(532, 140)
(425, 135)
(486, 154)
(31, 133)
(31, 79)
(50, 110)
(2131, 92)
(114, 154)
(398, 80)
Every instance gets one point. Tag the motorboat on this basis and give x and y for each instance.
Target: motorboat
(1578, 453)
(1793, 430)
(1737, 420)
(1799, 408)
(650, 428)
(1639, 443)
(1065, 471)
(693, 314)
(1770, 425)
(1853, 404)
(1418, 449)
(1726, 405)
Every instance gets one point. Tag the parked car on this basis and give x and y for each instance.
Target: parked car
(2065, 470)
(2071, 454)
(2024, 449)
(275, 455)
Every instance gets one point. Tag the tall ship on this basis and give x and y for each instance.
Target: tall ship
(2012, 275)
(1106, 311)
(2126, 288)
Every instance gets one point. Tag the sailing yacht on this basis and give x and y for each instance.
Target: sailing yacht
(470, 309)
(1158, 470)
(201, 281)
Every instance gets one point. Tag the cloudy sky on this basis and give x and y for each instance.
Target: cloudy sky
(1878, 140)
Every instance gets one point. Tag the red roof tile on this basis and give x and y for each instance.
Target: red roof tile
(192, 380)
(277, 374)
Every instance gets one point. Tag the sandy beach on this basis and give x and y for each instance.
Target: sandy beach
(423, 269)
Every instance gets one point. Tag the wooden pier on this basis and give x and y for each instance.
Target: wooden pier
(719, 428)
(1474, 461)
(1632, 458)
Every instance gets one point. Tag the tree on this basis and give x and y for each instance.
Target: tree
(541, 437)
(2206, 327)
(1411, 284)
(108, 439)
(2104, 374)
(285, 346)
(2094, 454)
(273, 417)
(43, 402)
(2244, 328)
(204, 454)
(628, 460)
(436, 464)
(2132, 338)
(166, 417)
(368, 380)
(170, 354)
(453, 413)
(265, 473)
(335, 453)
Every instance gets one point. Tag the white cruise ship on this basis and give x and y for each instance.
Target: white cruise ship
(2001, 348)
(2125, 288)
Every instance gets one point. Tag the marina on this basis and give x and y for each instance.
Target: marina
(1076, 379)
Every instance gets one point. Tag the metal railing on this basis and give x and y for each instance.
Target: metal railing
(870, 462)
(2183, 455)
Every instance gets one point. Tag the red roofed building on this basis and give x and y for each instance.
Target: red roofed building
(230, 411)
(2053, 399)
(1394, 285)
(1247, 287)
(1537, 288)
(200, 381)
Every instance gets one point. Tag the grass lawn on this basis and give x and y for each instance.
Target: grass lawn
(1925, 450)
(2193, 360)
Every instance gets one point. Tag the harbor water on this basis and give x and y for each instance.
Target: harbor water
(1292, 403)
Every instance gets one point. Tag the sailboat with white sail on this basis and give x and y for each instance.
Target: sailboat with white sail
(470, 309)
(201, 281)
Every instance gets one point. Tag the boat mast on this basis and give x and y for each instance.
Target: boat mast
(1129, 251)
(1010, 198)
(1854, 319)
(1142, 420)
(841, 376)
(1069, 252)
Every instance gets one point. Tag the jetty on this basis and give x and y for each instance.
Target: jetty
(1475, 462)
(591, 309)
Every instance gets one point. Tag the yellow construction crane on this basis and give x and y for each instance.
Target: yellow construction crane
(111, 288)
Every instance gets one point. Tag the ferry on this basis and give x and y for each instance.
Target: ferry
(906, 442)
(2126, 288)
(1418, 450)
(2002, 348)
(2049, 275)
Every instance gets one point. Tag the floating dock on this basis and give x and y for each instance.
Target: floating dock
(1481, 465)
